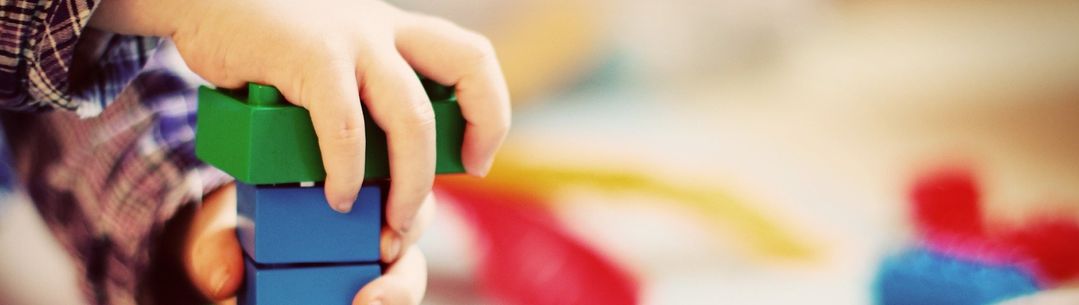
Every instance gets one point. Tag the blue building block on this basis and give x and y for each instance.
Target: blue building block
(923, 277)
(291, 285)
(292, 224)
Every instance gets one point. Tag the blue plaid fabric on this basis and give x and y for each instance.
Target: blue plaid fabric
(7, 174)
(37, 55)
(107, 185)
(110, 170)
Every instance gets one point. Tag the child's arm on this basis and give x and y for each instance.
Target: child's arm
(325, 55)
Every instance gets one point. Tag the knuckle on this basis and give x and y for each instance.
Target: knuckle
(422, 116)
(332, 42)
(483, 50)
(309, 81)
(349, 133)
(324, 54)
(418, 121)
(347, 137)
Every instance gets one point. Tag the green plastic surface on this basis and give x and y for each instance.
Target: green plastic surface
(259, 138)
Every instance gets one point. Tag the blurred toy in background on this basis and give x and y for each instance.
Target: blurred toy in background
(963, 258)
(528, 257)
(527, 253)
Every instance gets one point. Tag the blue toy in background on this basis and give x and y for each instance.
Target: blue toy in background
(921, 276)
(959, 260)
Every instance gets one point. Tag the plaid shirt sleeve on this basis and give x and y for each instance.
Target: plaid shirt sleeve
(106, 180)
(37, 63)
(108, 186)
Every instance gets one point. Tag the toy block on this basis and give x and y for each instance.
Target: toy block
(257, 137)
(921, 276)
(289, 285)
(292, 224)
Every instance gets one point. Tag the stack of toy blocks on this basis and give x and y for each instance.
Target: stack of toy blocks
(297, 250)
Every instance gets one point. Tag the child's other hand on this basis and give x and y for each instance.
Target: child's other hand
(214, 260)
(325, 55)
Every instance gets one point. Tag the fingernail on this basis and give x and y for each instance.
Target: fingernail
(482, 170)
(218, 280)
(393, 246)
(406, 225)
(343, 206)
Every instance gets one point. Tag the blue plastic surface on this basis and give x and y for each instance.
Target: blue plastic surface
(336, 284)
(923, 277)
(294, 224)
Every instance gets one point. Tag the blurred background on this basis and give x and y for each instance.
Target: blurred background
(749, 152)
(740, 151)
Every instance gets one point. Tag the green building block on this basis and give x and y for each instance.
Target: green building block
(259, 138)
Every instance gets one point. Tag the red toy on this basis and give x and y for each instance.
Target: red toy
(948, 215)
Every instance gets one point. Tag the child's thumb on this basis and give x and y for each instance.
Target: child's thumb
(212, 254)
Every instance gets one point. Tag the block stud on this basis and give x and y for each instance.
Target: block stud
(263, 95)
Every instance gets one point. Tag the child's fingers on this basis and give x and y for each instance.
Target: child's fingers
(394, 243)
(451, 55)
(212, 254)
(404, 282)
(331, 94)
(399, 105)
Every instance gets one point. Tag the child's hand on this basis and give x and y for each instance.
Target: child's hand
(214, 260)
(325, 55)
